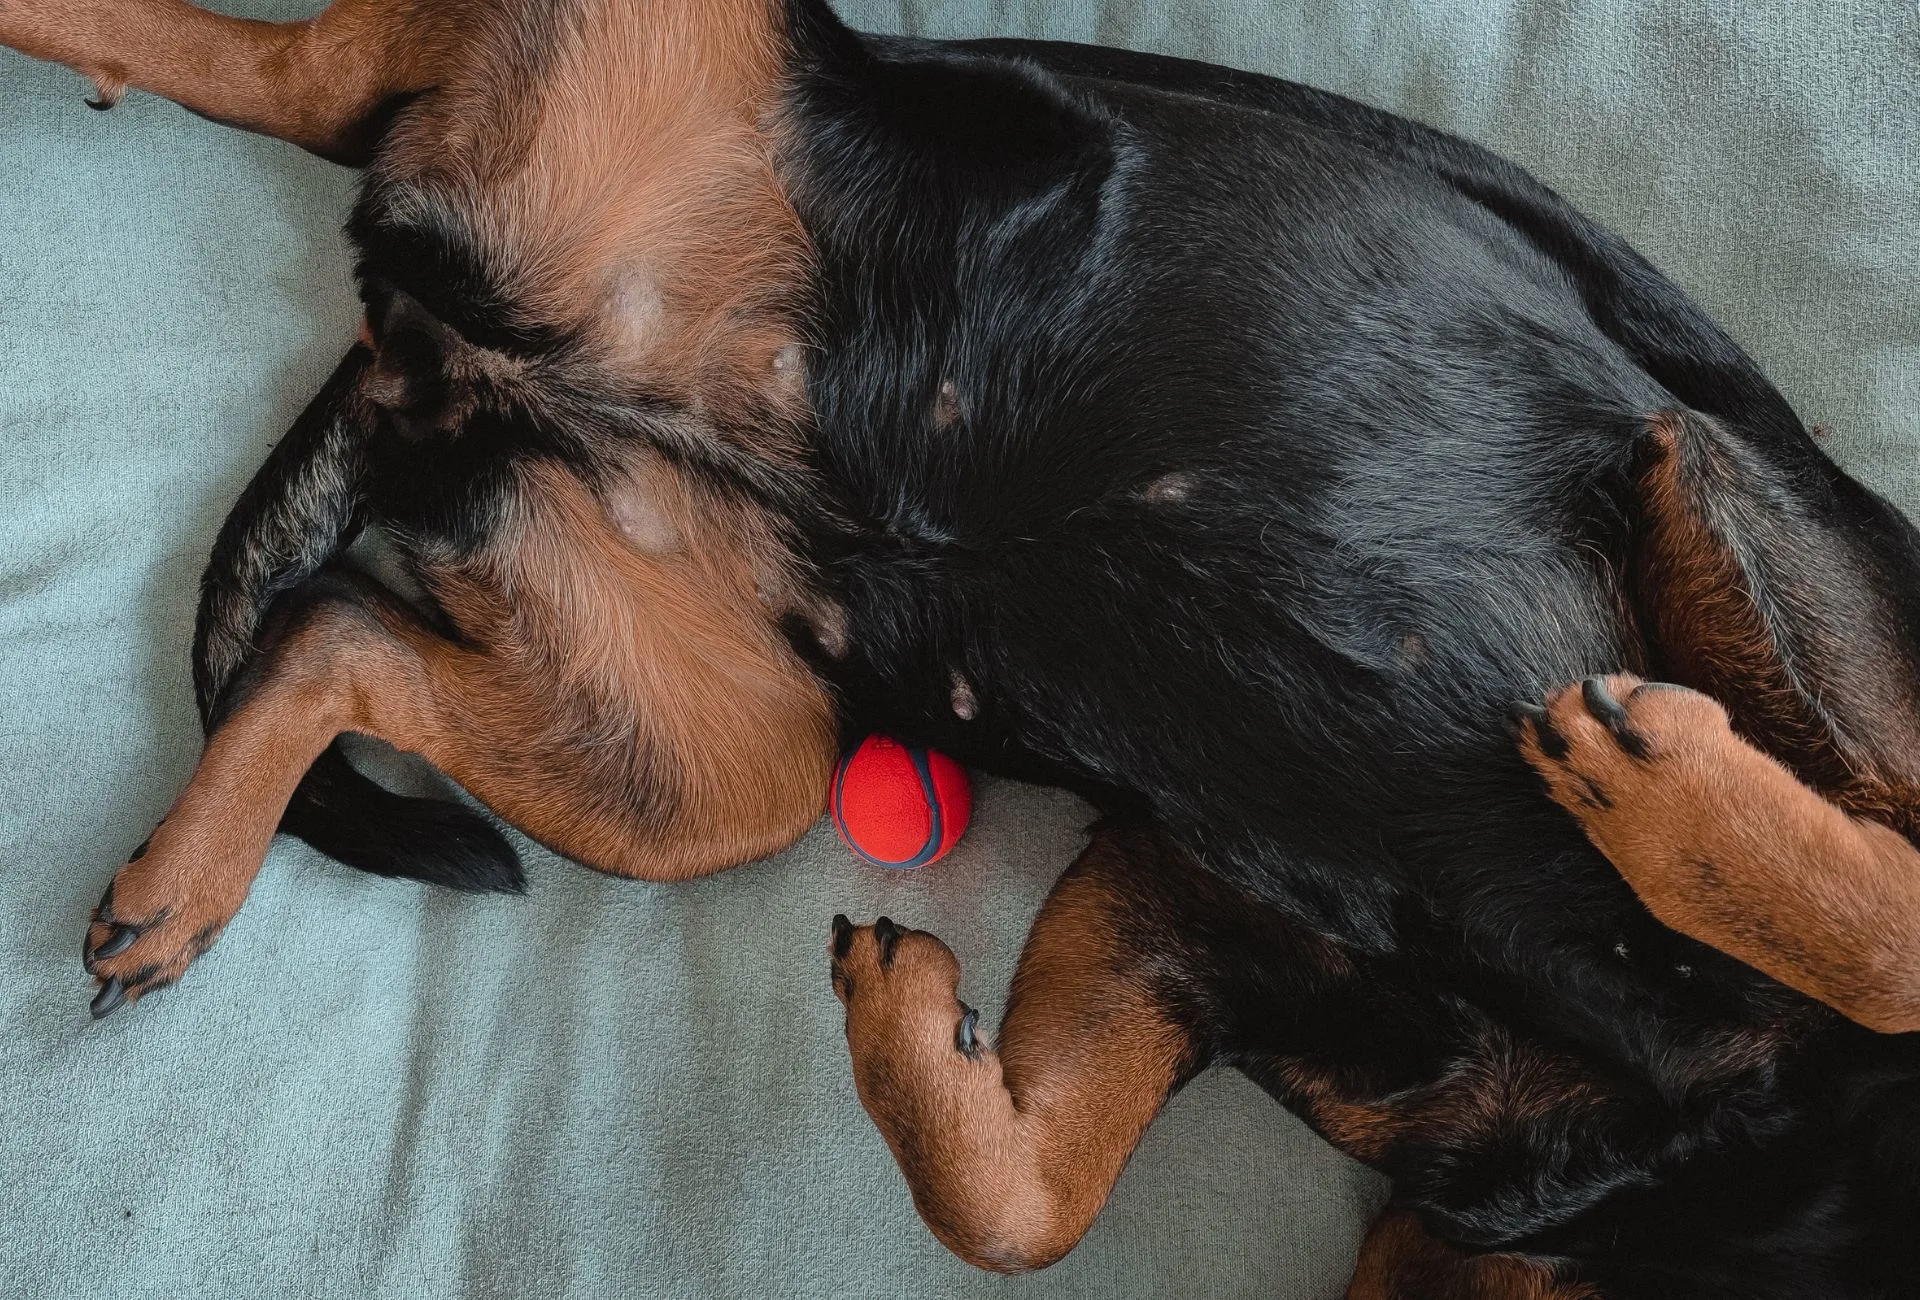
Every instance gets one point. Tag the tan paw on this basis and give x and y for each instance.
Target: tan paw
(1609, 741)
(901, 991)
(156, 917)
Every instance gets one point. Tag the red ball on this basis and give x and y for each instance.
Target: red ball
(899, 806)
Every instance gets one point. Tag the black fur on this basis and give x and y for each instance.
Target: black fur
(1405, 388)
(347, 815)
(1294, 444)
(305, 506)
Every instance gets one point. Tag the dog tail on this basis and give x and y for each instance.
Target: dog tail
(304, 507)
(350, 817)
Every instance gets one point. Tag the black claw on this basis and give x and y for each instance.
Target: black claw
(965, 1038)
(1612, 715)
(140, 852)
(118, 942)
(842, 936)
(110, 998)
(1551, 742)
(99, 106)
(1601, 704)
(888, 935)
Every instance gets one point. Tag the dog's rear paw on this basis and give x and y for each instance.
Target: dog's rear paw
(150, 925)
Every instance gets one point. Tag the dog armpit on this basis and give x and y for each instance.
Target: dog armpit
(1722, 843)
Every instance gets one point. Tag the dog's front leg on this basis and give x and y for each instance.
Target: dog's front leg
(1011, 1149)
(318, 83)
(1724, 844)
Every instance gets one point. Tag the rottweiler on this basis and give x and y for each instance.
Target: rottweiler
(1502, 716)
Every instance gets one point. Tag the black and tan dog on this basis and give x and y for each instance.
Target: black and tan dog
(1228, 451)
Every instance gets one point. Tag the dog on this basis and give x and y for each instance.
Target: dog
(1502, 716)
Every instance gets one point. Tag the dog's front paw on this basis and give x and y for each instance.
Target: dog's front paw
(901, 991)
(156, 917)
(1610, 741)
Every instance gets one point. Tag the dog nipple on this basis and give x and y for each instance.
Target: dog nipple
(637, 308)
(1168, 489)
(946, 407)
(966, 705)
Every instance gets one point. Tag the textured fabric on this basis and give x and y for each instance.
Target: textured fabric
(374, 1089)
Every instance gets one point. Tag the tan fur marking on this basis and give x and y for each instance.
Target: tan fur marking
(632, 198)
(1705, 620)
(1400, 1260)
(1854, 737)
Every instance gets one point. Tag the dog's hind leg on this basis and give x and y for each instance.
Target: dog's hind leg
(301, 510)
(1775, 819)
(320, 83)
(168, 904)
(595, 776)
(1770, 581)
(1011, 1149)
